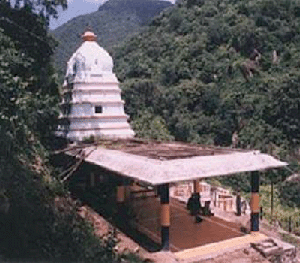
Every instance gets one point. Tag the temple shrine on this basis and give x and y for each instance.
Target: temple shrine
(146, 176)
(91, 103)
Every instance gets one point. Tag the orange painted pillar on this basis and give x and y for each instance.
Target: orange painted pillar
(123, 190)
(196, 188)
(92, 180)
(254, 203)
(165, 216)
(120, 194)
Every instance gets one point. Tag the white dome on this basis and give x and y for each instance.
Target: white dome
(89, 59)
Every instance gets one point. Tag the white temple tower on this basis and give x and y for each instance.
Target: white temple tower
(92, 104)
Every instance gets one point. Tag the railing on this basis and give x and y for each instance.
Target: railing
(290, 224)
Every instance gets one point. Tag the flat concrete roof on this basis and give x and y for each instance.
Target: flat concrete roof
(169, 162)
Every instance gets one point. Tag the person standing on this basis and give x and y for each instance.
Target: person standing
(194, 206)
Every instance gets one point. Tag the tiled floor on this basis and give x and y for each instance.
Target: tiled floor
(185, 233)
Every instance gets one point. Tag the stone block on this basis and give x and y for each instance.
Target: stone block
(276, 251)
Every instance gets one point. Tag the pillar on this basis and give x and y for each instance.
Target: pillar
(92, 180)
(127, 190)
(238, 203)
(123, 189)
(120, 194)
(254, 203)
(165, 216)
(196, 187)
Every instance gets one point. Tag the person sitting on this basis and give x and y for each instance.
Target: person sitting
(207, 210)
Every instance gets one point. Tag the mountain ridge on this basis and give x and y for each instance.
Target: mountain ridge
(112, 23)
(210, 69)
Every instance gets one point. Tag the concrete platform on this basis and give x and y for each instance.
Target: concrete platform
(214, 249)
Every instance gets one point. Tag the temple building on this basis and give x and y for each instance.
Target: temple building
(91, 103)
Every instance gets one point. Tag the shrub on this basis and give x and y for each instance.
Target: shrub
(289, 193)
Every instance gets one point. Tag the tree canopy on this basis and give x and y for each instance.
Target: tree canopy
(39, 221)
(216, 68)
(45, 8)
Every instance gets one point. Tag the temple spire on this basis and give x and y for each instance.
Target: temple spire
(92, 106)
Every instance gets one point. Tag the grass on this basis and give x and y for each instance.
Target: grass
(290, 239)
(281, 212)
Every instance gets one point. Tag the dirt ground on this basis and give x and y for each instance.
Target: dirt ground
(103, 227)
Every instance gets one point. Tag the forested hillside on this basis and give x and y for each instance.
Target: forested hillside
(113, 22)
(39, 221)
(210, 69)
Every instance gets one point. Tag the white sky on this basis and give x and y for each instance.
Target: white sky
(76, 8)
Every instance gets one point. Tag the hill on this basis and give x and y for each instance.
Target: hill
(39, 219)
(114, 21)
(209, 71)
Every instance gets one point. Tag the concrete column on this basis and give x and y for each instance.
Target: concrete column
(123, 190)
(165, 216)
(92, 179)
(121, 215)
(120, 194)
(254, 203)
(238, 203)
(196, 188)
(127, 190)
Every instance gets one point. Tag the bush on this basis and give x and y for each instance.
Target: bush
(289, 193)
(40, 226)
(151, 126)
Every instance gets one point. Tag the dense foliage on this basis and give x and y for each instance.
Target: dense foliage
(113, 22)
(38, 219)
(29, 92)
(218, 72)
(289, 193)
(211, 68)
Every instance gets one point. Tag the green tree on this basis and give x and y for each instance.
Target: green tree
(39, 221)
(45, 9)
(221, 67)
(289, 193)
(150, 126)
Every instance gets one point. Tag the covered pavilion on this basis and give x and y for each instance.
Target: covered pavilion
(160, 164)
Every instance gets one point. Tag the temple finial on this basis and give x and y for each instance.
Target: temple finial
(88, 34)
